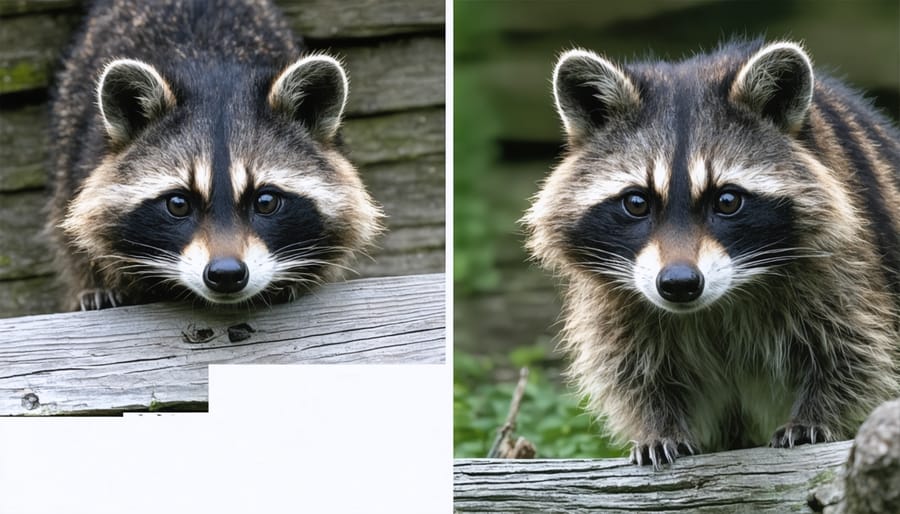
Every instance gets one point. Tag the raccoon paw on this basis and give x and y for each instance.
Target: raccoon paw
(660, 451)
(96, 299)
(794, 433)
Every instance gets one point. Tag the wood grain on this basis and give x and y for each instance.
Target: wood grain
(143, 357)
(394, 75)
(313, 18)
(31, 46)
(760, 480)
(363, 18)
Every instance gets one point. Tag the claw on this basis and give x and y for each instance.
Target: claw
(96, 299)
(659, 452)
(794, 433)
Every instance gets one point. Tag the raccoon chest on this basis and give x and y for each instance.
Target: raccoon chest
(742, 413)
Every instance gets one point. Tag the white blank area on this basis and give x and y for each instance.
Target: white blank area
(337, 438)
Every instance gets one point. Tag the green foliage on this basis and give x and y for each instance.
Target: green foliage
(474, 232)
(550, 417)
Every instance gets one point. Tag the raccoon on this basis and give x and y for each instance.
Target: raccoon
(729, 233)
(197, 156)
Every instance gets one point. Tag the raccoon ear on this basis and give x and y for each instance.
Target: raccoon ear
(312, 91)
(589, 91)
(131, 94)
(777, 83)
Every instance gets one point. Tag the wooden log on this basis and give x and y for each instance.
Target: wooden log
(760, 480)
(153, 356)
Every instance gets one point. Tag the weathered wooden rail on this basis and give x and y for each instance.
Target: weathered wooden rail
(156, 356)
(756, 480)
(846, 477)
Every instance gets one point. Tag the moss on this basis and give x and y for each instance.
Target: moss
(22, 75)
(824, 477)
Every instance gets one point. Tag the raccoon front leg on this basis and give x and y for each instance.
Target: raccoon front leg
(660, 434)
(841, 381)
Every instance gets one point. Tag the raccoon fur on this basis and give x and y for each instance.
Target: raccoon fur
(197, 156)
(728, 229)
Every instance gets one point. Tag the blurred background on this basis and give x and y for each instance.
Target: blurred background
(507, 137)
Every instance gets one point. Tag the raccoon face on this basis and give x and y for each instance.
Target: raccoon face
(222, 184)
(681, 184)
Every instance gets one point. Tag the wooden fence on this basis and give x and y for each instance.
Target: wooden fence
(156, 356)
(394, 52)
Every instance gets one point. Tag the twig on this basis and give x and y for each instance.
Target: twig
(504, 432)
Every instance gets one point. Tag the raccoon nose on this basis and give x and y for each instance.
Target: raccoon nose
(679, 283)
(226, 275)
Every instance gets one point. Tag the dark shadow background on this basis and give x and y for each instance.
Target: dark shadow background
(507, 137)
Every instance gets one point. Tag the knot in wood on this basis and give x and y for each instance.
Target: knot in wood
(30, 401)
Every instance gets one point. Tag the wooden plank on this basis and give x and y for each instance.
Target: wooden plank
(23, 154)
(392, 137)
(33, 295)
(30, 47)
(10, 7)
(143, 357)
(326, 19)
(388, 75)
(23, 250)
(411, 192)
(395, 137)
(395, 75)
(419, 260)
(764, 480)
(316, 18)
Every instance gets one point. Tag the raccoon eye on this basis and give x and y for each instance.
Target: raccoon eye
(636, 204)
(728, 203)
(266, 203)
(178, 206)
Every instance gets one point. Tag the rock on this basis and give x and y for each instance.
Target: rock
(872, 483)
